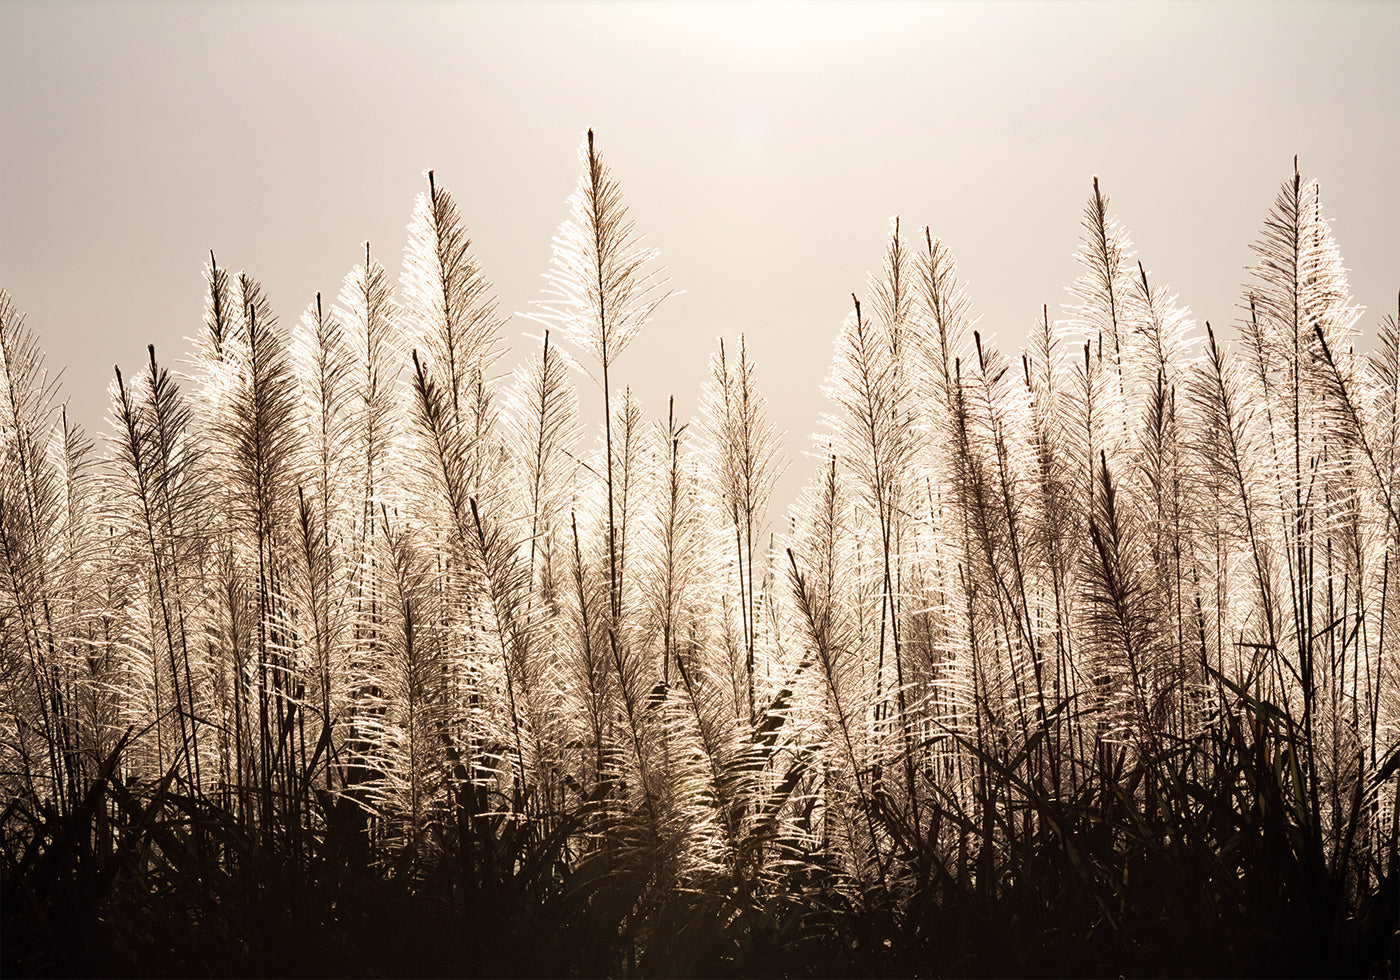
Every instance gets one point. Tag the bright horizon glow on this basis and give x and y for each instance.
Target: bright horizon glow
(761, 147)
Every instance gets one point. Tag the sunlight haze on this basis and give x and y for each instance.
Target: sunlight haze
(762, 147)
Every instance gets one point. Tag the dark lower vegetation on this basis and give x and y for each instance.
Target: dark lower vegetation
(1201, 862)
(360, 665)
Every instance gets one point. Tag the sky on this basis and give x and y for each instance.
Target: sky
(762, 147)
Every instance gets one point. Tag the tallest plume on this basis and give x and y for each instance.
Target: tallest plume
(603, 288)
(603, 281)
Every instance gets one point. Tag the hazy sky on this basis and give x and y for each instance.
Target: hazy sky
(762, 147)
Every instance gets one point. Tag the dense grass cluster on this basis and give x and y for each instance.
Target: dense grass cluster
(346, 655)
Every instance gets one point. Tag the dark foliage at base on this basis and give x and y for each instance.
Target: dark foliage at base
(1185, 881)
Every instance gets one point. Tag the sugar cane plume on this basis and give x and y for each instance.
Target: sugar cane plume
(1083, 653)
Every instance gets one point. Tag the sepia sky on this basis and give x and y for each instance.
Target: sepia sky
(762, 147)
